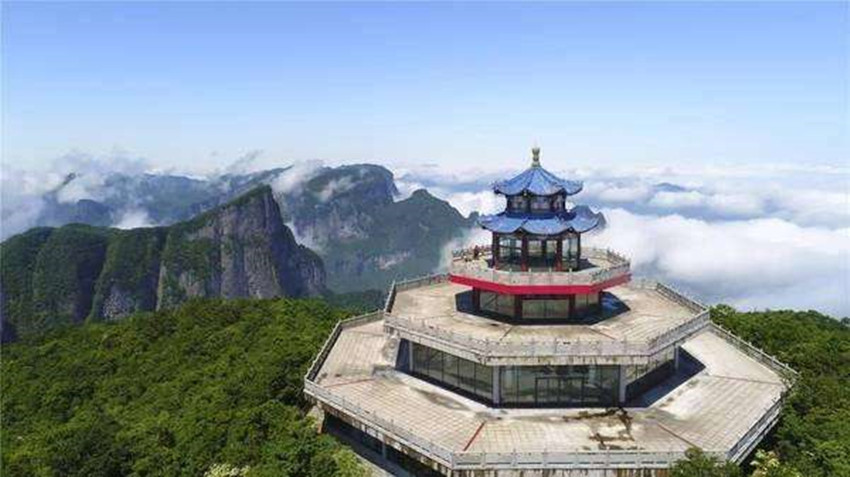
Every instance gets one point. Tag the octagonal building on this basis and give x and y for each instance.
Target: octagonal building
(537, 356)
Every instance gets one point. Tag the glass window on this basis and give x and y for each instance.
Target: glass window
(533, 309)
(539, 308)
(466, 375)
(526, 384)
(420, 358)
(510, 249)
(505, 304)
(451, 374)
(535, 248)
(484, 381)
(453, 371)
(558, 203)
(560, 385)
(550, 250)
(497, 303)
(435, 364)
(508, 385)
(540, 204)
(488, 301)
(569, 251)
(581, 302)
(522, 385)
(518, 203)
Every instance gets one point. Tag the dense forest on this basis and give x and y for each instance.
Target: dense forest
(813, 435)
(214, 388)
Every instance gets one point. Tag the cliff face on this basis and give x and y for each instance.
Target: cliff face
(339, 204)
(403, 239)
(241, 249)
(347, 214)
(52, 277)
(129, 279)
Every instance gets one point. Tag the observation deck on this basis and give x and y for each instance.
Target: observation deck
(597, 270)
(639, 321)
(726, 409)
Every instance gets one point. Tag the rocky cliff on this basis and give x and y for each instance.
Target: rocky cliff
(350, 215)
(241, 249)
(51, 277)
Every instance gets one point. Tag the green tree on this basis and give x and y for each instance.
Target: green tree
(699, 464)
(210, 387)
(813, 434)
(767, 464)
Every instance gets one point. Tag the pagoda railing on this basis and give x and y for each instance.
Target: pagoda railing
(475, 263)
(422, 330)
(579, 460)
(543, 458)
(497, 349)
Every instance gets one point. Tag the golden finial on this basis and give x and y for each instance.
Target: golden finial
(535, 156)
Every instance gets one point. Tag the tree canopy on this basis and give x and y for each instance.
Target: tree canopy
(215, 388)
(210, 387)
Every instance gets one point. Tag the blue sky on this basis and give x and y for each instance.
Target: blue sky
(192, 85)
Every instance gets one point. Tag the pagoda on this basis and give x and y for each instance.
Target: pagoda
(536, 355)
(539, 235)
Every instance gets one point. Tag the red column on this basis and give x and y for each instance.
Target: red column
(543, 247)
(559, 252)
(578, 251)
(495, 250)
(524, 253)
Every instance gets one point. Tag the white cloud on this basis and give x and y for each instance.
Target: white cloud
(308, 241)
(134, 218)
(292, 179)
(752, 263)
(618, 193)
(335, 186)
(677, 200)
(474, 236)
(754, 236)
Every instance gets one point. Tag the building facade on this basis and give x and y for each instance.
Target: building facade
(535, 355)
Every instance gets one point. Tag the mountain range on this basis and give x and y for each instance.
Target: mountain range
(77, 272)
(230, 236)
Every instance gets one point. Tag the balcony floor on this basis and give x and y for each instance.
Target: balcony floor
(713, 409)
(629, 313)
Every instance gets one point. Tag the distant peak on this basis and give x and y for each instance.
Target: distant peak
(422, 194)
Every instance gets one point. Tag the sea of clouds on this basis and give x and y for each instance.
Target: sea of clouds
(753, 236)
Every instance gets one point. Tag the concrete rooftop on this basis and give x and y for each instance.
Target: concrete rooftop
(713, 409)
(637, 321)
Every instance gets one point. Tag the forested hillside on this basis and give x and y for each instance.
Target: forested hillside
(53, 277)
(813, 435)
(218, 384)
(347, 214)
(209, 384)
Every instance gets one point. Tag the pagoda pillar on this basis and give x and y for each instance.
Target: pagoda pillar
(578, 251)
(559, 253)
(543, 247)
(524, 253)
(518, 307)
(494, 250)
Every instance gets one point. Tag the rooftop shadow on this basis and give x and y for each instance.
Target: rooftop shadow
(688, 368)
(611, 307)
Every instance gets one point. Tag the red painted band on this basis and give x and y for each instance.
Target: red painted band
(540, 289)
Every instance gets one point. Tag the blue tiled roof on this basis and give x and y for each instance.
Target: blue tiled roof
(580, 219)
(538, 181)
